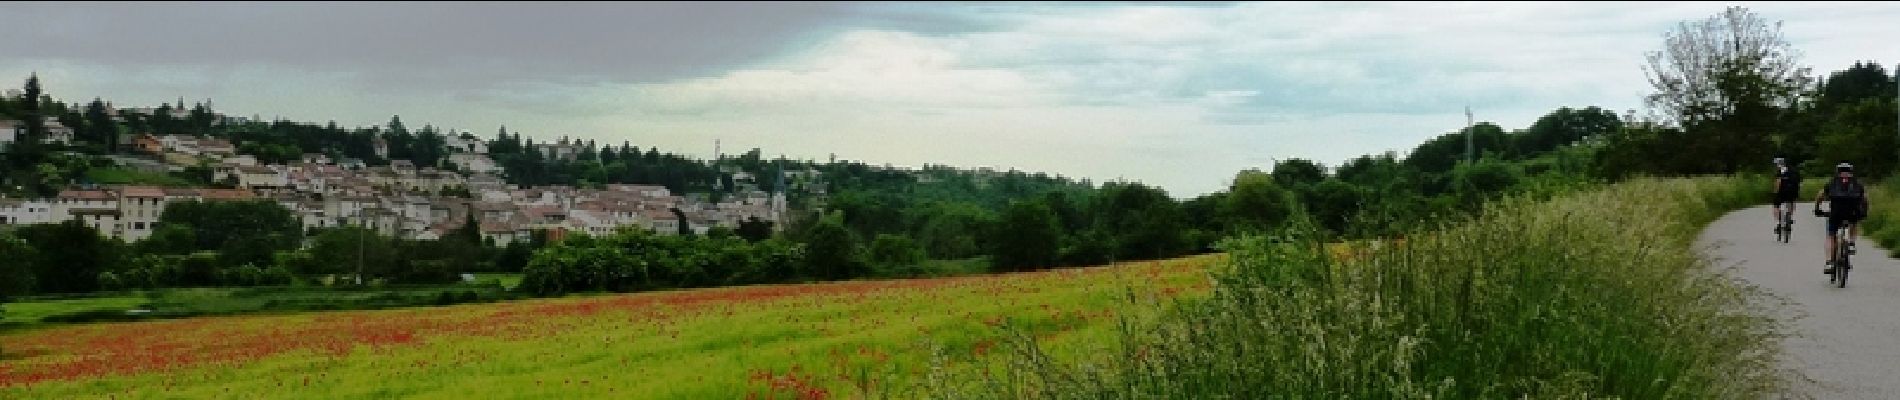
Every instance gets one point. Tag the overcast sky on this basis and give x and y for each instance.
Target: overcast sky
(1177, 95)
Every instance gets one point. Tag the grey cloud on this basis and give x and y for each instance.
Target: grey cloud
(433, 45)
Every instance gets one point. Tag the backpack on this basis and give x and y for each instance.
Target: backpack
(1790, 180)
(1850, 189)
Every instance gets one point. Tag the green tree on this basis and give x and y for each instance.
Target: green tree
(347, 250)
(685, 225)
(1565, 126)
(832, 251)
(1862, 133)
(895, 255)
(470, 232)
(100, 128)
(514, 256)
(26, 150)
(1142, 220)
(1442, 153)
(952, 230)
(70, 256)
(1726, 80)
(1849, 87)
(1026, 238)
(1254, 202)
(1297, 172)
(16, 268)
(254, 230)
(1333, 204)
(754, 229)
(1479, 181)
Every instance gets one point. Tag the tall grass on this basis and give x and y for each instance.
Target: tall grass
(1883, 219)
(1595, 294)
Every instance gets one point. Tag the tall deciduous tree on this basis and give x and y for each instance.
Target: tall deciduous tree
(1726, 80)
(100, 128)
(1297, 172)
(16, 268)
(1254, 202)
(831, 251)
(1026, 238)
(71, 255)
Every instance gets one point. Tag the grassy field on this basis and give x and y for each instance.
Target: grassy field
(830, 340)
(121, 176)
(190, 302)
(32, 312)
(505, 280)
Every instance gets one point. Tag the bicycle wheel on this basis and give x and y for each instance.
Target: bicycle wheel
(1787, 225)
(1841, 266)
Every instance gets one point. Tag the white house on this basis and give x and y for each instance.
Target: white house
(343, 208)
(26, 212)
(13, 130)
(475, 163)
(381, 220)
(381, 147)
(504, 232)
(139, 208)
(253, 177)
(650, 191)
(98, 209)
(58, 133)
(662, 222)
(466, 143)
(310, 213)
(217, 147)
(10, 130)
(412, 207)
(245, 159)
(180, 144)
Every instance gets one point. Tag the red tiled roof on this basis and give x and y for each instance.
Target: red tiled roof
(254, 169)
(142, 191)
(85, 195)
(226, 194)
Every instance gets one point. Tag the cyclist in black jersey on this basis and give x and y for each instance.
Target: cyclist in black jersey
(1787, 189)
(1847, 200)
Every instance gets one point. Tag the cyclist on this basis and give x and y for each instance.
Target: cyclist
(1847, 205)
(1787, 189)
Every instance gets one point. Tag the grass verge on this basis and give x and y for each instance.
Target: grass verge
(1593, 294)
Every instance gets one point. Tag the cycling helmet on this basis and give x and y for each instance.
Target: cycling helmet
(1781, 161)
(1844, 167)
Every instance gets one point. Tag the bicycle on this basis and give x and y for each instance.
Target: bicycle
(1784, 231)
(1841, 263)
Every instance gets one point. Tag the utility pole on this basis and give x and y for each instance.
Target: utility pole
(359, 245)
(1468, 134)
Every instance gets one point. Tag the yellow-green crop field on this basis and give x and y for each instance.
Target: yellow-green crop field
(828, 340)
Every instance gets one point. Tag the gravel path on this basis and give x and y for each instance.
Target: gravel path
(1847, 341)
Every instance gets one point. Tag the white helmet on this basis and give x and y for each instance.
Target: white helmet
(1780, 161)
